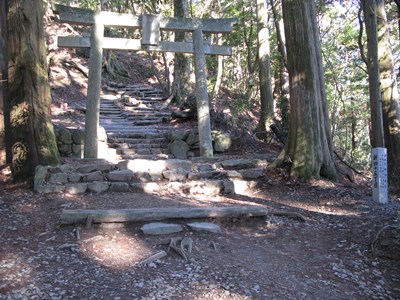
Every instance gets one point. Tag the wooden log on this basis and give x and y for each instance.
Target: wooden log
(151, 214)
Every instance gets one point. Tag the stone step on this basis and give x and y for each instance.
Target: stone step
(138, 135)
(130, 121)
(118, 140)
(137, 129)
(132, 114)
(143, 151)
(146, 144)
(146, 156)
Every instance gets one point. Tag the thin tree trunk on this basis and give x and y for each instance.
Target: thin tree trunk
(181, 66)
(281, 90)
(390, 96)
(264, 69)
(220, 70)
(370, 19)
(309, 146)
(33, 139)
(5, 147)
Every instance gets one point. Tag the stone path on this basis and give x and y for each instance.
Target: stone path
(135, 126)
(138, 132)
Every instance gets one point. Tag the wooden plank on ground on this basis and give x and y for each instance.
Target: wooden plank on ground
(151, 214)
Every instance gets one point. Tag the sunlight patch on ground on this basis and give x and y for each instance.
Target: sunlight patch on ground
(119, 250)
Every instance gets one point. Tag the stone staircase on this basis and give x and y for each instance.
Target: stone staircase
(138, 133)
(135, 126)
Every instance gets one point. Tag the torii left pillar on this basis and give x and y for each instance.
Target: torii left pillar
(92, 116)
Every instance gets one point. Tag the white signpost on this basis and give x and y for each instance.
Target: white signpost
(379, 175)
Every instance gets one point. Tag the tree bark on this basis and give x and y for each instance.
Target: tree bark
(264, 69)
(309, 145)
(390, 96)
(182, 66)
(370, 19)
(5, 154)
(33, 140)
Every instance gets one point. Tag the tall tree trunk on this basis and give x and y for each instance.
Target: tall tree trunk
(182, 66)
(33, 139)
(281, 90)
(264, 69)
(309, 146)
(390, 97)
(370, 19)
(5, 153)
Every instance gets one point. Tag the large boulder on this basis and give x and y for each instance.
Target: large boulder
(222, 141)
(179, 149)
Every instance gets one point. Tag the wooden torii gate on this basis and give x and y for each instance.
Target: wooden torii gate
(151, 26)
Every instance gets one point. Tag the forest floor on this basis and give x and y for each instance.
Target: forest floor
(347, 247)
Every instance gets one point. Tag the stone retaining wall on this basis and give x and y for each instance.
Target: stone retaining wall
(139, 175)
(70, 140)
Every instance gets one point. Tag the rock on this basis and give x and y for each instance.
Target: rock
(182, 164)
(74, 177)
(176, 175)
(205, 226)
(102, 134)
(253, 173)
(65, 149)
(120, 175)
(77, 150)
(178, 135)
(236, 164)
(40, 176)
(239, 187)
(222, 141)
(58, 178)
(94, 167)
(193, 140)
(76, 188)
(208, 188)
(160, 228)
(65, 136)
(98, 186)
(78, 136)
(119, 187)
(142, 165)
(179, 149)
(206, 175)
(94, 176)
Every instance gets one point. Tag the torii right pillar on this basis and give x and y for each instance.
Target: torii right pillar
(203, 105)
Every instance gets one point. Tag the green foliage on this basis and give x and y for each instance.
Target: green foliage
(346, 84)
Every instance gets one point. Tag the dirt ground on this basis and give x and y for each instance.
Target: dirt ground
(327, 257)
(347, 248)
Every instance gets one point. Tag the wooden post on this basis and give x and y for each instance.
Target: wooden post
(150, 30)
(203, 106)
(93, 94)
